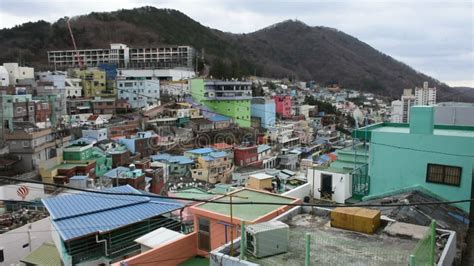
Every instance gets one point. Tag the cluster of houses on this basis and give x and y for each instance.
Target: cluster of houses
(178, 180)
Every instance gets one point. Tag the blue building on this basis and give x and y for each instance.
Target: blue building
(265, 110)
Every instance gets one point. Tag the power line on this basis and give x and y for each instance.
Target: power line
(217, 201)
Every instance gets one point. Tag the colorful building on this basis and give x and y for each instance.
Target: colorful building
(77, 159)
(265, 110)
(434, 158)
(283, 105)
(245, 155)
(212, 167)
(94, 83)
(229, 98)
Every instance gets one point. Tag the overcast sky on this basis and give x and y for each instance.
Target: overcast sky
(434, 37)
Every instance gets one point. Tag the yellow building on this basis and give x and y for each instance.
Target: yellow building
(213, 168)
(94, 83)
(260, 181)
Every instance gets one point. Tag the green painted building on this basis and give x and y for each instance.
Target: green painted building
(82, 153)
(229, 98)
(6, 109)
(435, 158)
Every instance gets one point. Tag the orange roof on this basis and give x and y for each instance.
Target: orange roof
(222, 146)
(92, 117)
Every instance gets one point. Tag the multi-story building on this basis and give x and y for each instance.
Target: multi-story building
(283, 105)
(42, 112)
(17, 73)
(101, 106)
(57, 100)
(24, 111)
(123, 56)
(213, 167)
(396, 113)
(229, 98)
(93, 83)
(4, 77)
(144, 143)
(425, 95)
(7, 109)
(56, 78)
(141, 88)
(246, 155)
(408, 100)
(73, 87)
(265, 110)
(34, 145)
(429, 157)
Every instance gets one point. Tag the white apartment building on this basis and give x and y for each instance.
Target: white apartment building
(73, 88)
(396, 113)
(425, 95)
(57, 78)
(124, 56)
(4, 77)
(17, 73)
(138, 87)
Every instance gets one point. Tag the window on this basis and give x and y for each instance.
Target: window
(444, 174)
(204, 236)
(26, 144)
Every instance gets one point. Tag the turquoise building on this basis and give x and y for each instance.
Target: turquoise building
(437, 159)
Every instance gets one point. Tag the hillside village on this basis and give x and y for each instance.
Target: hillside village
(128, 156)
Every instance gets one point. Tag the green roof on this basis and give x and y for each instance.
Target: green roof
(193, 193)
(46, 254)
(247, 212)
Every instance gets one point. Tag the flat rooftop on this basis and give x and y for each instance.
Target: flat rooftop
(247, 212)
(333, 246)
(439, 132)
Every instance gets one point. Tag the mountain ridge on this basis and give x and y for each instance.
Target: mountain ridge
(288, 49)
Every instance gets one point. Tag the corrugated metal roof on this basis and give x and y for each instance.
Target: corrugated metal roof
(207, 158)
(262, 148)
(218, 154)
(86, 213)
(201, 150)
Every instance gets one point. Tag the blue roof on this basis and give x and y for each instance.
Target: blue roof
(262, 148)
(78, 177)
(171, 159)
(87, 213)
(201, 150)
(218, 154)
(207, 158)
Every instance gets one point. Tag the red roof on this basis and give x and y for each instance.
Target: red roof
(221, 146)
(93, 117)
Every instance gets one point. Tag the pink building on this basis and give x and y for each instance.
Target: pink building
(283, 105)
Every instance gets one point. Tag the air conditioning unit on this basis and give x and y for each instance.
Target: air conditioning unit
(267, 239)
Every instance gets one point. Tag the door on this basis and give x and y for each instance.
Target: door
(326, 187)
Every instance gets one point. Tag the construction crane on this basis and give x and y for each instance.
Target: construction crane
(78, 58)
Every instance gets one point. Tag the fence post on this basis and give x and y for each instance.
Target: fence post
(242, 240)
(307, 255)
(411, 260)
(432, 242)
